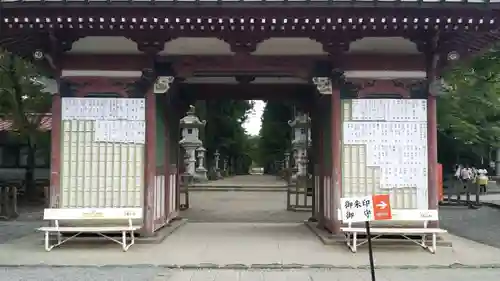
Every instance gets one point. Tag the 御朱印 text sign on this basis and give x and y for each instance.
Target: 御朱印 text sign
(367, 208)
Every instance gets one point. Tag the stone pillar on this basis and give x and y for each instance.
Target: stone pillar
(287, 160)
(294, 158)
(191, 160)
(216, 159)
(217, 168)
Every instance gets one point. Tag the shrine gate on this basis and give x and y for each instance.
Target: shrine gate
(368, 72)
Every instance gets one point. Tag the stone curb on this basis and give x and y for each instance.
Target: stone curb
(276, 266)
(237, 189)
(491, 205)
(482, 203)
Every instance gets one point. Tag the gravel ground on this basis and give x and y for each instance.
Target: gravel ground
(481, 225)
(10, 230)
(158, 274)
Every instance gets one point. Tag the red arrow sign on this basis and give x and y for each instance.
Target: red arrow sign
(381, 207)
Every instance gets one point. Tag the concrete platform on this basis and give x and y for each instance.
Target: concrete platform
(243, 245)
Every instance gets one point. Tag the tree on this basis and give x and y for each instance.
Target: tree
(468, 115)
(225, 132)
(253, 149)
(24, 102)
(275, 133)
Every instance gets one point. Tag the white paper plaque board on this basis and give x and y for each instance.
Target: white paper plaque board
(394, 134)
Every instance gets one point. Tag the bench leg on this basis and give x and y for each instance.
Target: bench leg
(124, 241)
(434, 243)
(126, 246)
(432, 248)
(47, 242)
(351, 239)
(348, 239)
(49, 247)
(354, 242)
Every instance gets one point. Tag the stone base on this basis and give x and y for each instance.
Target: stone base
(328, 238)
(157, 237)
(200, 177)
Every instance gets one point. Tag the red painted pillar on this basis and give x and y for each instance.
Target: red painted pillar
(150, 165)
(336, 159)
(321, 161)
(55, 152)
(167, 168)
(432, 152)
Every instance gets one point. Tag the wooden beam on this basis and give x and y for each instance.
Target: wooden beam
(292, 65)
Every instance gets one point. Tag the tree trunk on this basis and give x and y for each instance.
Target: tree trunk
(29, 176)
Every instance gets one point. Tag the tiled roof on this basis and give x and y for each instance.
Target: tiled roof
(45, 123)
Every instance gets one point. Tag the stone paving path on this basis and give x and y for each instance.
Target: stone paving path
(247, 181)
(231, 206)
(159, 274)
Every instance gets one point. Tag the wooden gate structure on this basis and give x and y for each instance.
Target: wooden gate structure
(336, 58)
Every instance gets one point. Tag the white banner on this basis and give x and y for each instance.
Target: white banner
(120, 131)
(103, 109)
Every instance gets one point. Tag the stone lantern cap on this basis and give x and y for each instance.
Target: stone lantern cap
(191, 120)
(201, 149)
(300, 121)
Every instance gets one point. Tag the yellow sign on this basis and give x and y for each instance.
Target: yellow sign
(93, 214)
(129, 214)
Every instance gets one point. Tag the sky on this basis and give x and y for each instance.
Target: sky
(253, 123)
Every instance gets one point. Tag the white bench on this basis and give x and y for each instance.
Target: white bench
(125, 215)
(399, 215)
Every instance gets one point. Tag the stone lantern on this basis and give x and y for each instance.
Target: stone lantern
(218, 175)
(190, 131)
(287, 160)
(201, 171)
(300, 143)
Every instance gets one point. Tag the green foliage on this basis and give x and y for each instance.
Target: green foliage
(22, 98)
(24, 102)
(224, 132)
(275, 134)
(468, 115)
(252, 148)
